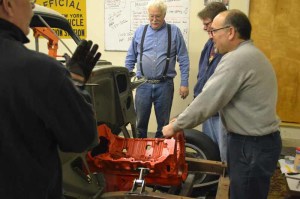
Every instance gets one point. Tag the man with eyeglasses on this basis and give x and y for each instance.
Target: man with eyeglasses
(244, 89)
(208, 62)
(154, 50)
(41, 109)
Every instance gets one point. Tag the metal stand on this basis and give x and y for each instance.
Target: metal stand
(140, 182)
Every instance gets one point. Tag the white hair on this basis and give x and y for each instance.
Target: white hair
(160, 4)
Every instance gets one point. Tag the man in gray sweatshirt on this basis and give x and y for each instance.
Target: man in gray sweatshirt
(244, 89)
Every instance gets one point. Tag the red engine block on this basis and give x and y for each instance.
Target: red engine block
(165, 159)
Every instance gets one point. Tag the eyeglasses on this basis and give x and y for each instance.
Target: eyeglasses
(213, 31)
(155, 16)
(206, 24)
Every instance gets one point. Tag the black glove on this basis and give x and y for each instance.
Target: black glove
(84, 59)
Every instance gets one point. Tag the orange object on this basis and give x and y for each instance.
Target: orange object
(165, 159)
(50, 36)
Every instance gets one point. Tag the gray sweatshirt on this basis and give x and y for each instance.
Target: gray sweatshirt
(243, 88)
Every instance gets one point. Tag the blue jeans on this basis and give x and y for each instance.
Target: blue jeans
(214, 128)
(251, 163)
(161, 96)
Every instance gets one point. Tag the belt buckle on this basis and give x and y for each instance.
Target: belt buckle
(153, 81)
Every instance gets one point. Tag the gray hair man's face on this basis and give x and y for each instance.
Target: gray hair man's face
(156, 17)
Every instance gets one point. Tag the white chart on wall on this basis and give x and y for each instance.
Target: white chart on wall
(123, 17)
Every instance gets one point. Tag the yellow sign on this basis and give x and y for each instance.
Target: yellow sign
(73, 10)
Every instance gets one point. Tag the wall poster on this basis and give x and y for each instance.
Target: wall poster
(73, 10)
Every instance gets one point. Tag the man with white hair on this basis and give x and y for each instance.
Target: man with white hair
(155, 48)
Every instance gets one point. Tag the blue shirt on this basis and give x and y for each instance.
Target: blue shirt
(155, 53)
(206, 67)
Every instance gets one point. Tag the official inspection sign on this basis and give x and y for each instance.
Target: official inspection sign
(73, 10)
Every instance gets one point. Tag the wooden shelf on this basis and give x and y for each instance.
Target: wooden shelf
(287, 124)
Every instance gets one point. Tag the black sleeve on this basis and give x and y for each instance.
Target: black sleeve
(71, 117)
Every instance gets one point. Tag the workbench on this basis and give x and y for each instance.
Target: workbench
(292, 178)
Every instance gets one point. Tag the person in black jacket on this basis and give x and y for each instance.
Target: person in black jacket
(41, 109)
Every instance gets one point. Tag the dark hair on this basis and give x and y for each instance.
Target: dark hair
(240, 22)
(211, 10)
